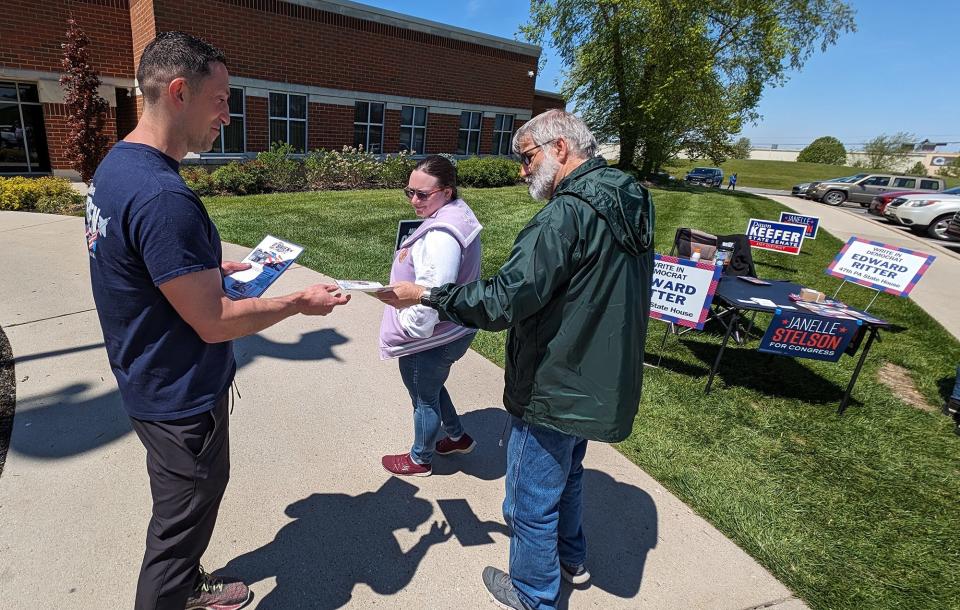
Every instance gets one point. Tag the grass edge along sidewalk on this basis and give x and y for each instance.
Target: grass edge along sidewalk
(851, 511)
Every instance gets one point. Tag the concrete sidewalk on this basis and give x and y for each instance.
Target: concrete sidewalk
(310, 518)
(937, 293)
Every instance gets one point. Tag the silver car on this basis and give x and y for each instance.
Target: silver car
(865, 189)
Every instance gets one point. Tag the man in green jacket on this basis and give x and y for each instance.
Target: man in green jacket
(575, 296)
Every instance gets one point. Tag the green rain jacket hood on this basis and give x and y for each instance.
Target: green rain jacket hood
(575, 296)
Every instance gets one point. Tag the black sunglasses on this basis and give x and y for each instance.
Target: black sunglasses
(421, 195)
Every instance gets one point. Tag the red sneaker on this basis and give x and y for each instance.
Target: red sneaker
(402, 465)
(446, 445)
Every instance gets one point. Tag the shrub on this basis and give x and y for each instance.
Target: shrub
(198, 179)
(47, 194)
(349, 168)
(918, 169)
(488, 171)
(827, 150)
(280, 172)
(239, 178)
(741, 149)
(952, 169)
(395, 170)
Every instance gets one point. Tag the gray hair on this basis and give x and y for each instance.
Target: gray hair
(555, 124)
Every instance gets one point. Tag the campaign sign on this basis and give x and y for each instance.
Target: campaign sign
(683, 290)
(776, 236)
(804, 335)
(811, 222)
(879, 266)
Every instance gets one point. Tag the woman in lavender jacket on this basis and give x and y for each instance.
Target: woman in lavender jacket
(445, 248)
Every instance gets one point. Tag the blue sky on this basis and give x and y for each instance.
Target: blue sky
(896, 73)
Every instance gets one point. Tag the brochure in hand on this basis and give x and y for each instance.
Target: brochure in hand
(269, 259)
(361, 285)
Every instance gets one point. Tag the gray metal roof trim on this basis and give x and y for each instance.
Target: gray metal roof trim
(379, 15)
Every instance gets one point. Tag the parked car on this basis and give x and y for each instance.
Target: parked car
(865, 189)
(953, 229)
(879, 203)
(704, 176)
(804, 189)
(925, 213)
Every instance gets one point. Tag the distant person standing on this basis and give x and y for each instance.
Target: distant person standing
(732, 183)
(157, 272)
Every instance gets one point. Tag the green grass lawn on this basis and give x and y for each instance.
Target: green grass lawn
(853, 511)
(775, 174)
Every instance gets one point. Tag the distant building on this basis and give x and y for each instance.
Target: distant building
(311, 73)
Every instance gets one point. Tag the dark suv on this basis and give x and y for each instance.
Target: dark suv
(704, 176)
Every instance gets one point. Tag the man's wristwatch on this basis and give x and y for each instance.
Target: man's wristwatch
(425, 297)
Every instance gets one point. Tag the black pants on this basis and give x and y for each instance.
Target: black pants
(188, 461)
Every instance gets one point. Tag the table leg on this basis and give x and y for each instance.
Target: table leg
(856, 371)
(726, 338)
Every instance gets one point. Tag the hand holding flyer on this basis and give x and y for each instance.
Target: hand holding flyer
(269, 259)
(361, 285)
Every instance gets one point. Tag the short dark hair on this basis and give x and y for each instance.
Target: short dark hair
(440, 168)
(175, 55)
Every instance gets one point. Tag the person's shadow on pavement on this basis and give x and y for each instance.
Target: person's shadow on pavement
(338, 541)
(61, 424)
(620, 523)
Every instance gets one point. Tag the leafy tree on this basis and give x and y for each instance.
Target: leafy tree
(918, 169)
(661, 76)
(86, 111)
(952, 169)
(741, 149)
(886, 152)
(827, 150)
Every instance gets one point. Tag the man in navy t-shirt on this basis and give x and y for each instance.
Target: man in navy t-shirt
(157, 275)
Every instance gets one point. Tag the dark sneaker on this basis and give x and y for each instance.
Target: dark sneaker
(501, 589)
(218, 593)
(404, 466)
(575, 575)
(446, 445)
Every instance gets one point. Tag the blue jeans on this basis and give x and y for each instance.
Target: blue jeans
(424, 374)
(544, 509)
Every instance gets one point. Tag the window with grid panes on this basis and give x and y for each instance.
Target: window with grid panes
(232, 138)
(413, 129)
(502, 132)
(288, 120)
(368, 126)
(23, 137)
(468, 142)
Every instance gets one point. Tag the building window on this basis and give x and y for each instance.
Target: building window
(232, 137)
(288, 120)
(413, 129)
(23, 138)
(502, 132)
(468, 143)
(368, 126)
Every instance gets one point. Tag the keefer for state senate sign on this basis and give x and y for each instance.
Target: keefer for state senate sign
(880, 266)
(777, 236)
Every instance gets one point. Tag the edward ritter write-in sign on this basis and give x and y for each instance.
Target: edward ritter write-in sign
(880, 266)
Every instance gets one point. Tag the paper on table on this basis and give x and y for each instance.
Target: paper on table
(764, 302)
(361, 285)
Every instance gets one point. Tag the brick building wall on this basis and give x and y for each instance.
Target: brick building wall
(335, 57)
(303, 45)
(55, 122)
(33, 32)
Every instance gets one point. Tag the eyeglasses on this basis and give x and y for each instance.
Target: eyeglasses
(421, 195)
(526, 157)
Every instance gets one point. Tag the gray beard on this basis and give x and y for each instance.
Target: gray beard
(541, 182)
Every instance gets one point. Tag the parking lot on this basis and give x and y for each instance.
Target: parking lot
(861, 211)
